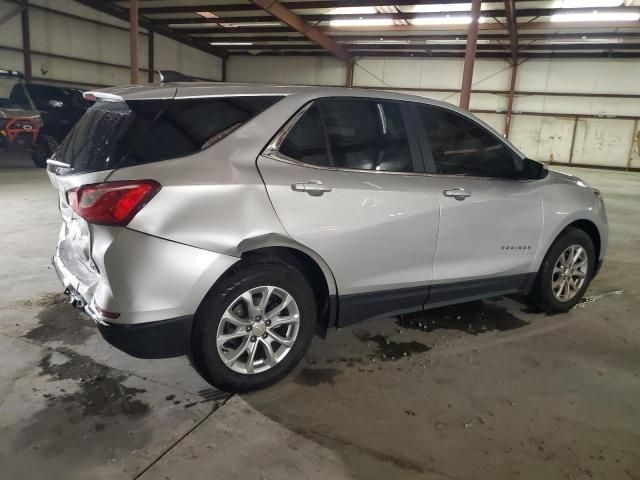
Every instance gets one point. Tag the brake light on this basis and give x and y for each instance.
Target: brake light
(112, 203)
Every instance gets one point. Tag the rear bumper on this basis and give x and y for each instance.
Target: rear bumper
(142, 291)
(163, 339)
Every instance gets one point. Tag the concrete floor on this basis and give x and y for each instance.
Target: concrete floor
(478, 391)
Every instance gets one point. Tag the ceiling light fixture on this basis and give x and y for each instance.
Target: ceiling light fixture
(352, 10)
(207, 14)
(255, 24)
(596, 16)
(587, 3)
(446, 20)
(362, 22)
(229, 44)
(442, 7)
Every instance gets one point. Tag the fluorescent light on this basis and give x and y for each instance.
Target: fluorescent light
(446, 42)
(378, 42)
(352, 10)
(362, 22)
(207, 14)
(584, 40)
(596, 16)
(587, 3)
(228, 44)
(446, 20)
(442, 7)
(254, 24)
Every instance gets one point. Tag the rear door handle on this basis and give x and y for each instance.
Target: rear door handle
(313, 187)
(458, 193)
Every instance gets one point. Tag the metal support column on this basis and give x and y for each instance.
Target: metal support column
(350, 66)
(512, 89)
(470, 55)
(151, 63)
(26, 41)
(133, 30)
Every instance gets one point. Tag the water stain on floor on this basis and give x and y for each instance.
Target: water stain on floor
(595, 298)
(101, 390)
(389, 350)
(311, 377)
(61, 322)
(473, 318)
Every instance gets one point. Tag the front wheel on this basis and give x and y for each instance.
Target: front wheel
(565, 273)
(254, 326)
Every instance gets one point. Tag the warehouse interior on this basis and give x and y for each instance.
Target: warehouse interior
(489, 389)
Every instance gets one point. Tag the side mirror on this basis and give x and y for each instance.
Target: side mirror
(55, 103)
(533, 170)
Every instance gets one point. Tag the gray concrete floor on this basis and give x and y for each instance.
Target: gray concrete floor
(484, 390)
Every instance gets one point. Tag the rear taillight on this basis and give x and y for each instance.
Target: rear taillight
(112, 203)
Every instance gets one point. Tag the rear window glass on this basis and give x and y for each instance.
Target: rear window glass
(117, 134)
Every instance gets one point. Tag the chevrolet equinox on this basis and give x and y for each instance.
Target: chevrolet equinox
(232, 222)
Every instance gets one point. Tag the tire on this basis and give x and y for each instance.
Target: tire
(252, 275)
(45, 146)
(542, 294)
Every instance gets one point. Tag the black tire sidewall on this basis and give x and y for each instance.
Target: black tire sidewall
(205, 353)
(546, 298)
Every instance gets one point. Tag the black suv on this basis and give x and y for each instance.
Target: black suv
(60, 108)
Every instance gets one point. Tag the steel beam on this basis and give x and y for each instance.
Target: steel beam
(285, 15)
(26, 41)
(350, 67)
(512, 89)
(151, 62)
(133, 40)
(470, 55)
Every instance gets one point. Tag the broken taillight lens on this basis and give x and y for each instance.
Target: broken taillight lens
(112, 203)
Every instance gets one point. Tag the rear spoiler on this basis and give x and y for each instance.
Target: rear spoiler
(104, 96)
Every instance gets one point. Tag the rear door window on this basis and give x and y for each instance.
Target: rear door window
(351, 134)
(118, 134)
(306, 141)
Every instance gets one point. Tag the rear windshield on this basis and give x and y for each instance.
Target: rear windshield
(118, 134)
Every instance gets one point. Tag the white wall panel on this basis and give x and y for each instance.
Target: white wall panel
(547, 139)
(287, 70)
(58, 34)
(603, 142)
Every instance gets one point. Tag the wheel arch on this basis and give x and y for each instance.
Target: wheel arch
(309, 262)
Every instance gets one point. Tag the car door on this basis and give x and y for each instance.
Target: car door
(490, 215)
(346, 183)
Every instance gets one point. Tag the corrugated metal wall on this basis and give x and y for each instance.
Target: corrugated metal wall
(86, 42)
(546, 126)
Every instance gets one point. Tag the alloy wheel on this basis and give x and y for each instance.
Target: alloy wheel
(258, 329)
(569, 273)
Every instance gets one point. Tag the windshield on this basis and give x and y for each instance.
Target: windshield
(13, 94)
(118, 134)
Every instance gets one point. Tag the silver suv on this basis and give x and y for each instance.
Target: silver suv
(231, 222)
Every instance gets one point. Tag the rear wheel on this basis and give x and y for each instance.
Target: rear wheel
(254, 326)
(565, 273)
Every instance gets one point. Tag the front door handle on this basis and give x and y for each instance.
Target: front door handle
(458, 193)
(313, 187)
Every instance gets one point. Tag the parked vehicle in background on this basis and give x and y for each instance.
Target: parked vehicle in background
(232, 222)
(60, 108)
(20, 122)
